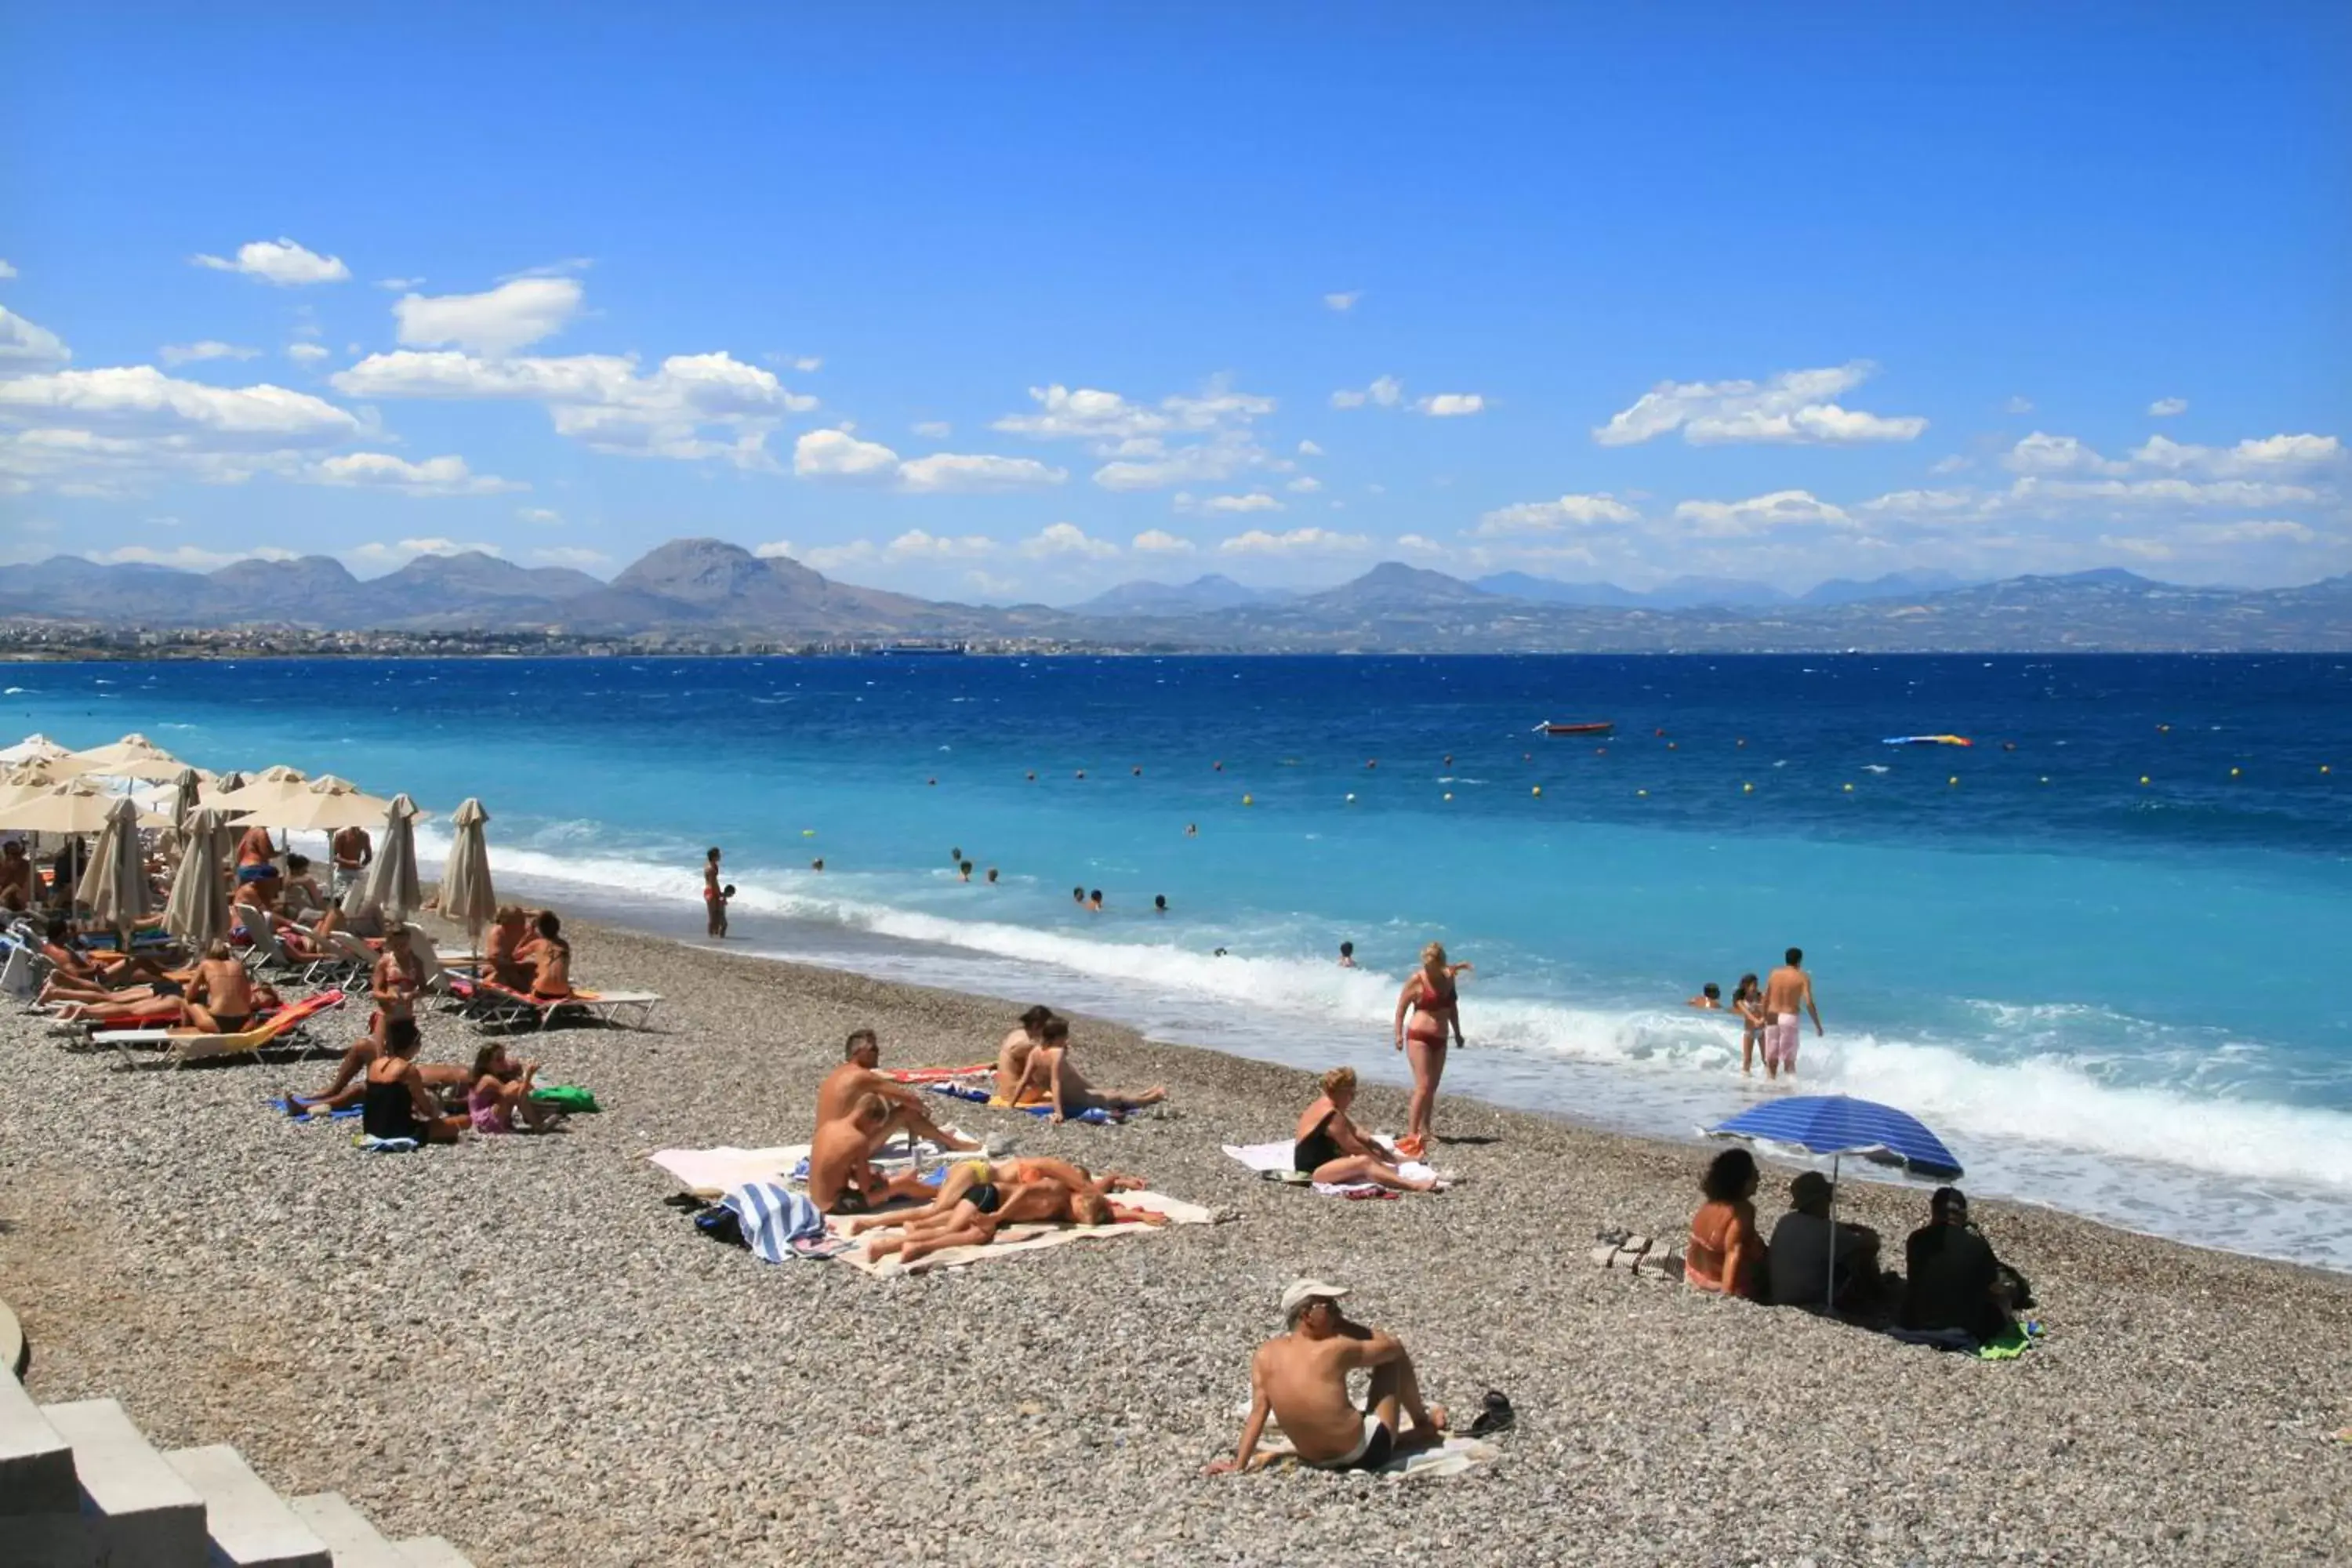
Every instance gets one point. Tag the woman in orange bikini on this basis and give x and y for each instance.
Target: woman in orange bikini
(1430, 998)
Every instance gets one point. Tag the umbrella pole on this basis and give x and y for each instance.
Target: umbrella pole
(1829, 1286)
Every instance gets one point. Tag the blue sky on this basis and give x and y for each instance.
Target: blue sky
(1020, 302)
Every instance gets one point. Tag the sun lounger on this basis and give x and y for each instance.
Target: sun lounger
(264, 952)
(279, 1029)
(495, 1005)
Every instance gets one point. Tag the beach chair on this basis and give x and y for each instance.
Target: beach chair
(283, 1029)
(265, 953)
(347, 960)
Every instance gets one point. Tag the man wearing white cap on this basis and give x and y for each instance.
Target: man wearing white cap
(1301, 1378)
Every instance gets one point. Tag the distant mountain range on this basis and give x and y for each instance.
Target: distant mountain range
(716, 592)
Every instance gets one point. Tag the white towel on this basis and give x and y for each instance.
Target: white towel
(1278, 1157)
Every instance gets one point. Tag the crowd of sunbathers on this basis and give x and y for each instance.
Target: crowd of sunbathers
(860, 1108)
(1951, 1283)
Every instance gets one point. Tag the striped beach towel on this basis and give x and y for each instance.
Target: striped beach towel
(777, 1222)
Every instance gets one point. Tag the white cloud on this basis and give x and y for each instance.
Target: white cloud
(1450, 404)
(1304, 485)
(1551, 516)
(305, 353)
(2018, 405)
(187, 557)
(826, 557)
(775, 550)
(808, 364)
(1419, 545)
(916, 545)
(210, 348)
(1182, 439)
(140, 400)
(1386, 392)
(433, 477)
(6, 271)
(936, 430)
(377, 553)
(679, 411)
(2253, 530)
(571, 555)
(1759, 514)
(1297, 542)
(398, 285)
(1068, 539)
(2034, 490)
(946, 472)
(1210, 462)
(1343, 303)
(2042, 453)
(2266, 454)
(278, 261)
(1309, 449)
(23, 343)
(1919, 503)
(497, 322)
(839, 455)
(2166, 407)
(1793, 406)
(1257, 500)
(1951, 465)
(545, 517)
(1156, 542)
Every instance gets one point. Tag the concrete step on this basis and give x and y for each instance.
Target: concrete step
(351, 1539)
(36, 1467)
(432, 1552)
(138, 1505)
(251, 1527)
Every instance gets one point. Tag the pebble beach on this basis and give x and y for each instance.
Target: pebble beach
(518, 1344)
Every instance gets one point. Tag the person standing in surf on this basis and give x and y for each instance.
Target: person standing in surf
(1429, 999)
(714, 897)
(1787, 989)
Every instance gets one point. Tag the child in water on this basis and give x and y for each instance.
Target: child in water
(1747, 1001)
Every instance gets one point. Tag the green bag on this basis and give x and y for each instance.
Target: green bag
(565, 1096)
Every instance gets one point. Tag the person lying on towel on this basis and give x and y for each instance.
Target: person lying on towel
(1065, 1088)
(842, 1178)
(857, 1077)
(984, 1208)
(984, 1181)
(1300, 1378)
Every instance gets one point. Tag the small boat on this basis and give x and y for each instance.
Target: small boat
(1927, 741)
(1549, 728)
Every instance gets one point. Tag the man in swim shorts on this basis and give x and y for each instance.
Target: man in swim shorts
(841, 1180)
(1301, 1379)
(1788, 990)
(858, 1076)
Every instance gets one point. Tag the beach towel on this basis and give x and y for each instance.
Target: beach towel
(1275, 1159)
(284, 1108)
(713, 1172)
(2011, 1344)
(1018, 1238)
(369, 1143)
(981, 1095)
(566, 1097)
(1451, 1457)
(939, 1075)
(774, 1218)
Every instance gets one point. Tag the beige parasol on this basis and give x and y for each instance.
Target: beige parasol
(197, 910)
(31, 748)
(251, 790)
(390, 890)
(322, 806)
(75, 807)
(465, 893)
(132, 757)
(114, 884)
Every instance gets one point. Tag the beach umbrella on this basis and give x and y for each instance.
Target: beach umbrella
(26, 780)
(133, 756)
(322, 806)
(75, 807)
(252, 789)
(197, 910)
(186, 789)
(30, 747)
(114, 884)
(390, 890)
(1837, 1125)
(466, 892)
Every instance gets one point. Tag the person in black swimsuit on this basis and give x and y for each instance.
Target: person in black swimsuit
(396, 1103)
(1329, 1149)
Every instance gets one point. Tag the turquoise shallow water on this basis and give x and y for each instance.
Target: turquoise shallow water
(2109, 996)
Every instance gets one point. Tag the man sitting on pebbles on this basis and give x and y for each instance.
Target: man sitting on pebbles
(857, 1077)
(842, 1178)
(1301, 1378)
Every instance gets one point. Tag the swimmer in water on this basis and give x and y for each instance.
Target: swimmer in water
(1094, 902)
(1159, 903)
(963, 871)
(1709, 998)
(1346, 955)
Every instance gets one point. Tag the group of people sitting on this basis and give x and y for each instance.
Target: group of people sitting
(861, 1107)
(1034, 1068)
(1952, 1282)
(428, 1103)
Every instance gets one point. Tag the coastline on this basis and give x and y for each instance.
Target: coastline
(515, 1343)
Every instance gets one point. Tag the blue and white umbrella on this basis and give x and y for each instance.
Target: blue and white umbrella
(1838, 1125)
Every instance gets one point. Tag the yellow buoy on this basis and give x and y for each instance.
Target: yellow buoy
(1953, 780)
(1351, 797)
(1642, 793)
(1449, 795)
(1849, 789)
(808, 833)
(1747, 789)
(2143, 778)
(2233, 772)
(1537, 791)
(2045, 778)
(2322, 767)
(1249, 800)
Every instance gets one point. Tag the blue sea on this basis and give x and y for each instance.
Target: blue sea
(2099, 949)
